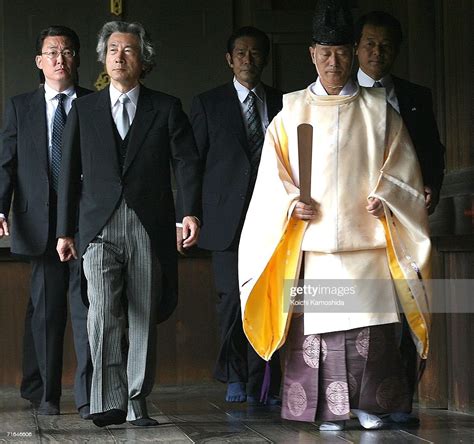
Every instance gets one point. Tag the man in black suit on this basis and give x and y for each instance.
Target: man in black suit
(378, 38)
(117, 149)
(30, 139)
(229, 123)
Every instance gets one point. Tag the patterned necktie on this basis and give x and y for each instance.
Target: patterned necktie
(59, 121)
(377, 84)
(123, 120)
(254, 129)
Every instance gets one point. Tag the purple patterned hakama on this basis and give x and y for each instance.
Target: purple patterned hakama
(327, 375)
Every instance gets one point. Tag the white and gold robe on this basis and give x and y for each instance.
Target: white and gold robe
(360, 149)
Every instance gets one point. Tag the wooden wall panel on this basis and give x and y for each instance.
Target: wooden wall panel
(186, 345)
(14, 287)
(460, 338)
(458, 55)
(433, 387)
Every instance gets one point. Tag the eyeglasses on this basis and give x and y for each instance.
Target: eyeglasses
(66, 53)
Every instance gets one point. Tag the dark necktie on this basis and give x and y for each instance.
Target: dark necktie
(59, 121)
(254, 129)
(123, 119)
(377, 84)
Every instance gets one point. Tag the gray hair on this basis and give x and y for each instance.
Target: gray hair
(147, 52)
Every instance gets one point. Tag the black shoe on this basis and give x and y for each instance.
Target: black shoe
(144, 422)
(84, 412)
(48, 408)
(110, 417)
(34, 404)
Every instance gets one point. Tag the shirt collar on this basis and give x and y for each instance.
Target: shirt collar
(132, 94)
(350, 88)
(243, 92)
(368, 82)
(51, 93)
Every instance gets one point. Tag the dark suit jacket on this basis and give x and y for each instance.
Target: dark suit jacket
(91, 177)
(24, 171)
(416, 109)
(220, 135)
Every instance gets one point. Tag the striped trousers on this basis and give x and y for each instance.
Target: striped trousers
(119, 266)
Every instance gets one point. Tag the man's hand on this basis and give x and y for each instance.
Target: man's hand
(66, 249)
(306, 212)
(179, 241)
(190, 231)
(431, 199)
(375, 207)
(428, 197)
(4, 227)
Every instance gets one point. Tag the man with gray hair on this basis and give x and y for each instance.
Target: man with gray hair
(117, 149)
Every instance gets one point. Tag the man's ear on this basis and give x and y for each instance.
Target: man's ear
(311, 54)
(228, 57)
(39, 62)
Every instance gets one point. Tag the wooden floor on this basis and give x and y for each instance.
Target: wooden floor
(198, 414)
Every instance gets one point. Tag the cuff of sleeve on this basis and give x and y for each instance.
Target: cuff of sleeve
(180, 225)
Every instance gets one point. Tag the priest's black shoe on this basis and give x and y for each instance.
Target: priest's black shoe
(110, 417)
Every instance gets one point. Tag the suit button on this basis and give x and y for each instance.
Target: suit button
(242, 196)
(246, 172)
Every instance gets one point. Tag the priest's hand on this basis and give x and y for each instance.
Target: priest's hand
(66, 249)
(306, 212)
(375, 207)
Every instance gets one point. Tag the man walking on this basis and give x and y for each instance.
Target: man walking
(30, 158)
(117, 150)
(229, 124)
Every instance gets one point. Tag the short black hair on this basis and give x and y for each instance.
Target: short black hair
(382, 19)
(249, 31)
(58, 31)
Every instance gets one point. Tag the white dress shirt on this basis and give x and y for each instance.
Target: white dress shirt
(131, 105)
(259, 91)
(387, 83)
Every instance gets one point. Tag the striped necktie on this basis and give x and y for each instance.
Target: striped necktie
(59, 121)
(254, 129)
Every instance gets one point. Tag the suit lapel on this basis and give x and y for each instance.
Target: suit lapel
(144, 117)
(36, 127)
(104, 125)
(403, 99)
(81, 91)
(273, 103)
(233, 114)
